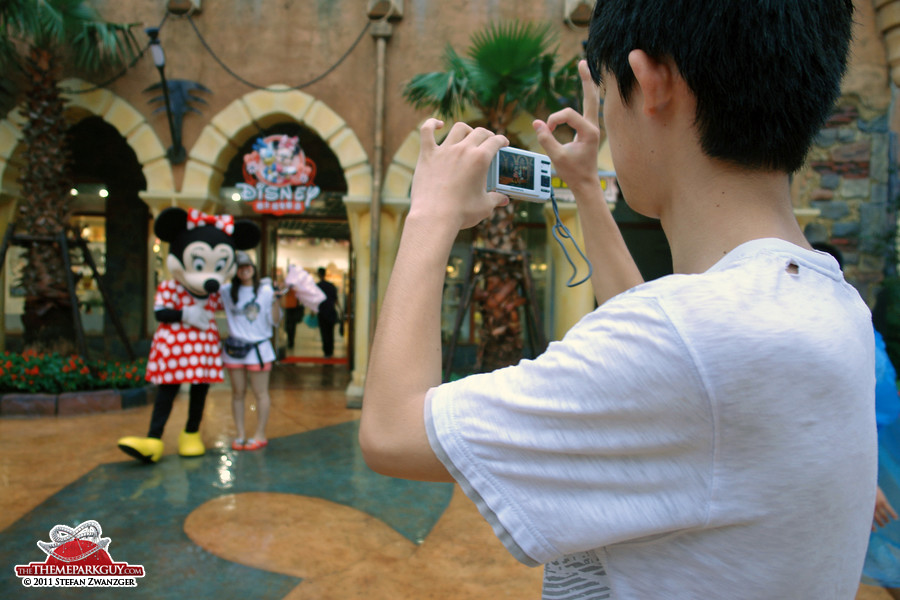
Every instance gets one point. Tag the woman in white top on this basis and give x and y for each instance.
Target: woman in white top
(252, 309)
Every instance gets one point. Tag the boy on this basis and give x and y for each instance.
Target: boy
(706, 435)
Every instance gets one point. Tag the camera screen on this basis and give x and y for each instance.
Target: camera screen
(516, 170)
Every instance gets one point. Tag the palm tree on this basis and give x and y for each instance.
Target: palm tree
(507, 69)
(39, 41)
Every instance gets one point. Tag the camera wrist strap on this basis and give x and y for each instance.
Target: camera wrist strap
(560, 231)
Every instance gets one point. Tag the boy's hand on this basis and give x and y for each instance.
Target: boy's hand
(575, 162)
(449, 185)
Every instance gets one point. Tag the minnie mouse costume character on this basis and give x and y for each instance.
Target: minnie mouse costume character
(185, 347)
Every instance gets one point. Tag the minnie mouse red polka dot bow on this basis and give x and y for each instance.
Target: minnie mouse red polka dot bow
(201, 219)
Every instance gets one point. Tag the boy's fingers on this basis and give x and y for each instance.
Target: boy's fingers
(492, 142)
(426, 132)
(566, 116)
(499, 199)
(458, 132)
(545, 137)
(478, 136)
(591, 93)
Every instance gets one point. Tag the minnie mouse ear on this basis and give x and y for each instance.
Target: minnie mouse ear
(246, 235)
(169, 223)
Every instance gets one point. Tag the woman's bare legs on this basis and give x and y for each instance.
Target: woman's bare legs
(238, 391)
(259, 383)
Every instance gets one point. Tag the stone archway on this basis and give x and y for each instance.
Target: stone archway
(99, 102)
(219, 141)
(84, 100)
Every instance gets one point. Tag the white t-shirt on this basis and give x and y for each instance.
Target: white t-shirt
(251, 320)
(699, 436)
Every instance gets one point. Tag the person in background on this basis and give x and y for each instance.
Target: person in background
(882, 564)
(328, 313)
(252, 309)
(293, 315)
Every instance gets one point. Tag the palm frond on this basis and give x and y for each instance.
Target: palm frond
(508, 48)
(508, 67)
(70, 27)
(446, 92)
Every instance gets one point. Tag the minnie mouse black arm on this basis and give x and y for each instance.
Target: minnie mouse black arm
(167, 315)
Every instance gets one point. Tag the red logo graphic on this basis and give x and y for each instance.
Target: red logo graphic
(278, 176)
(78, 558)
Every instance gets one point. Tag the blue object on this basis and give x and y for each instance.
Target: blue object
(887, 403)
(882, 566)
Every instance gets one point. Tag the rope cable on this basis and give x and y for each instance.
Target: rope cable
(260, 87)
(561, 232)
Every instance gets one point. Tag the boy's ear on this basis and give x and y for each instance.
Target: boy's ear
(656, 79)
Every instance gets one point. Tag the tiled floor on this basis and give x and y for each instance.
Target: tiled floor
(302, 519)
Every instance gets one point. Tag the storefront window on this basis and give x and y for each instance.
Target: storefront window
(533, 232)
(90, 301)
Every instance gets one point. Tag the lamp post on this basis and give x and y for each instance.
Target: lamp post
(176, 152)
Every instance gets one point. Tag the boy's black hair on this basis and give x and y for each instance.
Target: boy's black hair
(765, 73)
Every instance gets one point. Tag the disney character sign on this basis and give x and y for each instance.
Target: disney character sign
(279, 176)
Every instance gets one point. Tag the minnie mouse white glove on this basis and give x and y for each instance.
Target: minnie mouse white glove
(196, 316)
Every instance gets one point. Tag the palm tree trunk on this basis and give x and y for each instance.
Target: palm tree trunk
(44, 208)
(501, 342)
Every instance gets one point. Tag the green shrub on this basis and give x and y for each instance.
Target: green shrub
(53, 373)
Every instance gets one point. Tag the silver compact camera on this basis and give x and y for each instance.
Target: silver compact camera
(520, 174)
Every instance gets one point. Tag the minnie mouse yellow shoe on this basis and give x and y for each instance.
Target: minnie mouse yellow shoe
(145, 449)
(190, 444)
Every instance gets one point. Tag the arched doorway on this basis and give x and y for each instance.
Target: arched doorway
(116, 223)
(303, 226)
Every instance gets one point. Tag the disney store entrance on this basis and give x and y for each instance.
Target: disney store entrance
(322, 247)
(288, 178)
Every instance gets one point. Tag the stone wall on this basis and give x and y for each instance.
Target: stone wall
(851, 180)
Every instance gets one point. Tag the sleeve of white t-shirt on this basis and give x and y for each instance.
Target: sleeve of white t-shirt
(606, 437)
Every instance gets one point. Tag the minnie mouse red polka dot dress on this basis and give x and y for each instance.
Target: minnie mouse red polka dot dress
(181, 353)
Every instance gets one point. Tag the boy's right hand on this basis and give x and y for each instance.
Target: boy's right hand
(449, 184)
(576, 161)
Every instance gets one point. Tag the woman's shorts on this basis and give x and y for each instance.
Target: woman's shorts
(250, 367)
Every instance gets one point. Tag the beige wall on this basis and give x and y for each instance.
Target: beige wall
(289, 42)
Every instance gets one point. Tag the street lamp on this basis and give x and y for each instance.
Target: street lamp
(176, 152)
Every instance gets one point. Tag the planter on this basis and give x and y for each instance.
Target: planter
(91, 401)
(74, 403)
(28, 405)
(141, 396)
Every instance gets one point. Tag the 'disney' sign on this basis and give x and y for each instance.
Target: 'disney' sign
(279, 176)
